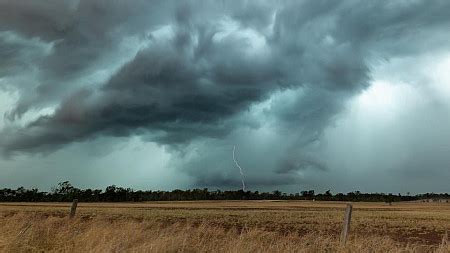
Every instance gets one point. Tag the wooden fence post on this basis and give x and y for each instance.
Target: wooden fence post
(347, 219)
(445, 239)
(73, 209)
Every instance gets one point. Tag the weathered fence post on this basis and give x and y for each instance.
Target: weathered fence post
(73, 209)
(445, 239)
(347, 219)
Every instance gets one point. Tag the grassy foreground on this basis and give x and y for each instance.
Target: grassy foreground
(223, 226)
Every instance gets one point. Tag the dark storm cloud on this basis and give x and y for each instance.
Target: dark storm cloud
(200, 80)
(302, 164)
(16, 54)
(83, 32)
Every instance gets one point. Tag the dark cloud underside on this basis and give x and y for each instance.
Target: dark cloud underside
(198, 69)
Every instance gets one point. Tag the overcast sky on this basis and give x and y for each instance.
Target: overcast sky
(339, 95)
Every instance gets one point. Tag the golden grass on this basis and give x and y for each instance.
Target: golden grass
(223, 226)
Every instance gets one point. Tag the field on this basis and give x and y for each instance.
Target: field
(224, 226)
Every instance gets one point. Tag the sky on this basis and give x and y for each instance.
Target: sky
(325, 95)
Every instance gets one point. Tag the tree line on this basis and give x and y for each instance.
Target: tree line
(65, 192)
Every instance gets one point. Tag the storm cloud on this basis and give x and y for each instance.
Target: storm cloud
(197, 78)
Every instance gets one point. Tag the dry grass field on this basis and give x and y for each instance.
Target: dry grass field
(223, 226)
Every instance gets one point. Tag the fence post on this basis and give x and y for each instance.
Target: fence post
(73, 209)
(347, 219)
(445, 239)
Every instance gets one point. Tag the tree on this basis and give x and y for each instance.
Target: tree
(63, 188)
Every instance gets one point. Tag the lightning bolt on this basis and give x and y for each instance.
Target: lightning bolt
(240, 169)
